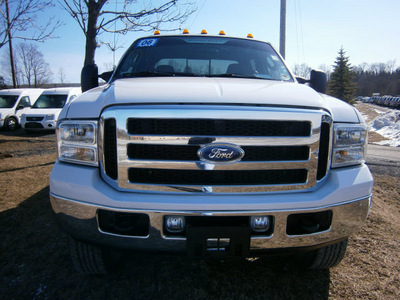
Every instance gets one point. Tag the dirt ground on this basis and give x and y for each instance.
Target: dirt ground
(35, 263)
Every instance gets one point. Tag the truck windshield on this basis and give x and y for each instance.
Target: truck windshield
(50, 101)
(7, 101)
(202, 56)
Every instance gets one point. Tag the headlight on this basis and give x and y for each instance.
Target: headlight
(77, 142)
(349, 145)
(50, 117)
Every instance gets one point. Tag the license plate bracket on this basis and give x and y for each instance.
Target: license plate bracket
(218, 241)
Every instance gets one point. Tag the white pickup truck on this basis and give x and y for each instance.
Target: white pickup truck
(208, 146)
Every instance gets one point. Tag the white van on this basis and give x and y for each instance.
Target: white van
(44, 113)
(14, 103)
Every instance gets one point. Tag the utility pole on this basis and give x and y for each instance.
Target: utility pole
(14, 78)
(282, 40)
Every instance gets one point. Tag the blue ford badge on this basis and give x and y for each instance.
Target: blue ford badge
(220, 153)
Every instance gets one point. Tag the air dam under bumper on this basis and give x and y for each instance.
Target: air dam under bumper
(79, 217)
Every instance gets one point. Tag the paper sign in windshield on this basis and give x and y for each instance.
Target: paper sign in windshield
(147, 43)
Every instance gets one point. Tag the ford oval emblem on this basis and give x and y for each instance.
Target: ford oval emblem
(220, 153)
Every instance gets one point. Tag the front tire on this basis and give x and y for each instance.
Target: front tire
(329, 256)
(11, 124)
(89, 259)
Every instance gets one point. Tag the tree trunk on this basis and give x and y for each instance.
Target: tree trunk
(91, 32)
(13, 75)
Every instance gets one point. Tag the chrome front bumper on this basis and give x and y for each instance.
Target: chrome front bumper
(80, 220)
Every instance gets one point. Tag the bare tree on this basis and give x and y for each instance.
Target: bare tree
(391, 66)
(109, 65)
(18, 20)
(363, 67)
(302, 70)
(5, 70)
(61, 75)
(35, 71)
(95, 17)
(22, 23)
(374, 68)
(2, 83)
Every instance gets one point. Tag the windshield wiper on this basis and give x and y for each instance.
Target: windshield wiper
(234, 75)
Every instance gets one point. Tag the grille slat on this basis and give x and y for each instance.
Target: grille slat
(216, 177)
(208, 127)
(110, 148)
(33, 125)
(37, 119)
(189, 152)
(323, 156)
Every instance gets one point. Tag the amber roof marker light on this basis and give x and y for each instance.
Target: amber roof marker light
(157, 32)
(222, 32)
(204, 31)
(185, 31)
(249, 36)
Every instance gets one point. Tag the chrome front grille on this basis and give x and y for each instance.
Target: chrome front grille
(154, 148)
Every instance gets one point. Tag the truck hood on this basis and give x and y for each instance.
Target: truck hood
(42, 111)
(203, 90)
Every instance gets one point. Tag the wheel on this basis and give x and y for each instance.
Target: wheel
(89, 259)
(11, 123)
(329, 256)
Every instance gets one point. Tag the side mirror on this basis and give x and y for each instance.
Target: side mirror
(318, 81)
(106, 75)
(89, 77)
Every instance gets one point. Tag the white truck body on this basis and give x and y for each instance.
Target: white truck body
(209, 164)
(14, 103)
(43, 115)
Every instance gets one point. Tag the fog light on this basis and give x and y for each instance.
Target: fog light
(175, 223)
(260, 223)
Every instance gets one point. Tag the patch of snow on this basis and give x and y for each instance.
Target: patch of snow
(365, 117)
(387, 124)
(379, 111)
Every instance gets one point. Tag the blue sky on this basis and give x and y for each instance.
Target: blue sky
(368, 30)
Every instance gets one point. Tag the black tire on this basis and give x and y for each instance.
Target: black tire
(89, 259)
(11, 124)
(329, 256)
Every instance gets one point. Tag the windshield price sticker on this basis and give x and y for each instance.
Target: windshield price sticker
(147, 43)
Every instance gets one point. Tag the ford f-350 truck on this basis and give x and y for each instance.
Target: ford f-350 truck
(208, 146)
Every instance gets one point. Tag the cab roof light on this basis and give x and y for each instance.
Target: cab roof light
(250, 36)
(204, 31)
(157, 32)
(185, 31)
(222, 32)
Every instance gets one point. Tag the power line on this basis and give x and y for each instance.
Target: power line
(299, 32)
(198, 12)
